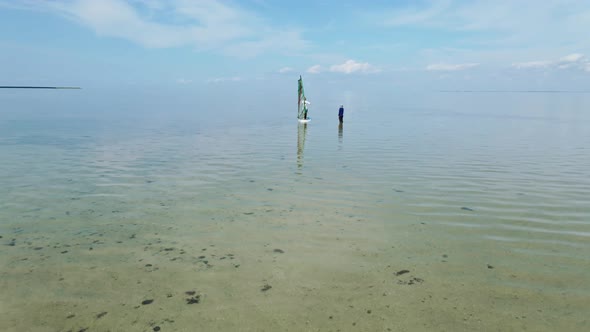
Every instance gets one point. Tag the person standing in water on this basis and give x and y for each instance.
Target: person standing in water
(341, 113)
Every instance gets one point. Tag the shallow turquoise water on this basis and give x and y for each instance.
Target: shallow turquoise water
(483, 197)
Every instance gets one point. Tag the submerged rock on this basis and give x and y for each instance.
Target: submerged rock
(411, 281)
(399, 273)
(194, 299)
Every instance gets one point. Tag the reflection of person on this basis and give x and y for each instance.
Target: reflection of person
(341, 113)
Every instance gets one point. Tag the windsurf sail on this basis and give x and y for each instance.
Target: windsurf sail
(301, 101)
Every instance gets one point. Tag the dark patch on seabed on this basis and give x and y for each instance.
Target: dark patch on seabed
(194, 299)
(399, 273)
(91, 242)
(407, 280)
(411, 281)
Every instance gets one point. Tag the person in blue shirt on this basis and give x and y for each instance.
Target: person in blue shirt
(341, 113)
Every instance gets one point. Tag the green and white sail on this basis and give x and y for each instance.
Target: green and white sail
(301, 101)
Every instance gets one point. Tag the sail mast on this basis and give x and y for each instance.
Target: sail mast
(299, 88)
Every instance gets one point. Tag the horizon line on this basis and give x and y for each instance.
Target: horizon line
(37, 87)
(520, 91)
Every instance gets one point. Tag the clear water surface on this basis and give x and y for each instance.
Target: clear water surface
(423, 211)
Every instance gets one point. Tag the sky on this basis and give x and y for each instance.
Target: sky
(377, 44)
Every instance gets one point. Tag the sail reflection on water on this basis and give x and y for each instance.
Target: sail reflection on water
(301, 132)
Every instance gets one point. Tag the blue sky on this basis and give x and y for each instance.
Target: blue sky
(443, 44)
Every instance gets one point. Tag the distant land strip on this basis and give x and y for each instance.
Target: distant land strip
(37, 87)
(520, 91)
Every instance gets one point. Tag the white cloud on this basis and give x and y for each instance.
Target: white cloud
(287, 42)
(499, 15)
(574, 60)
(139, 24)
(348, 67)
(206, 24)
(314, 69)
(351, 66)
(414, 15)
(183, 81)
(450, 67)
(575, 57)
(532, 64)
(285, 70)
(224, 79)
(545, 27)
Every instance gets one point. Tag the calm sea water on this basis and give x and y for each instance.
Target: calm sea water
(423, 211)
